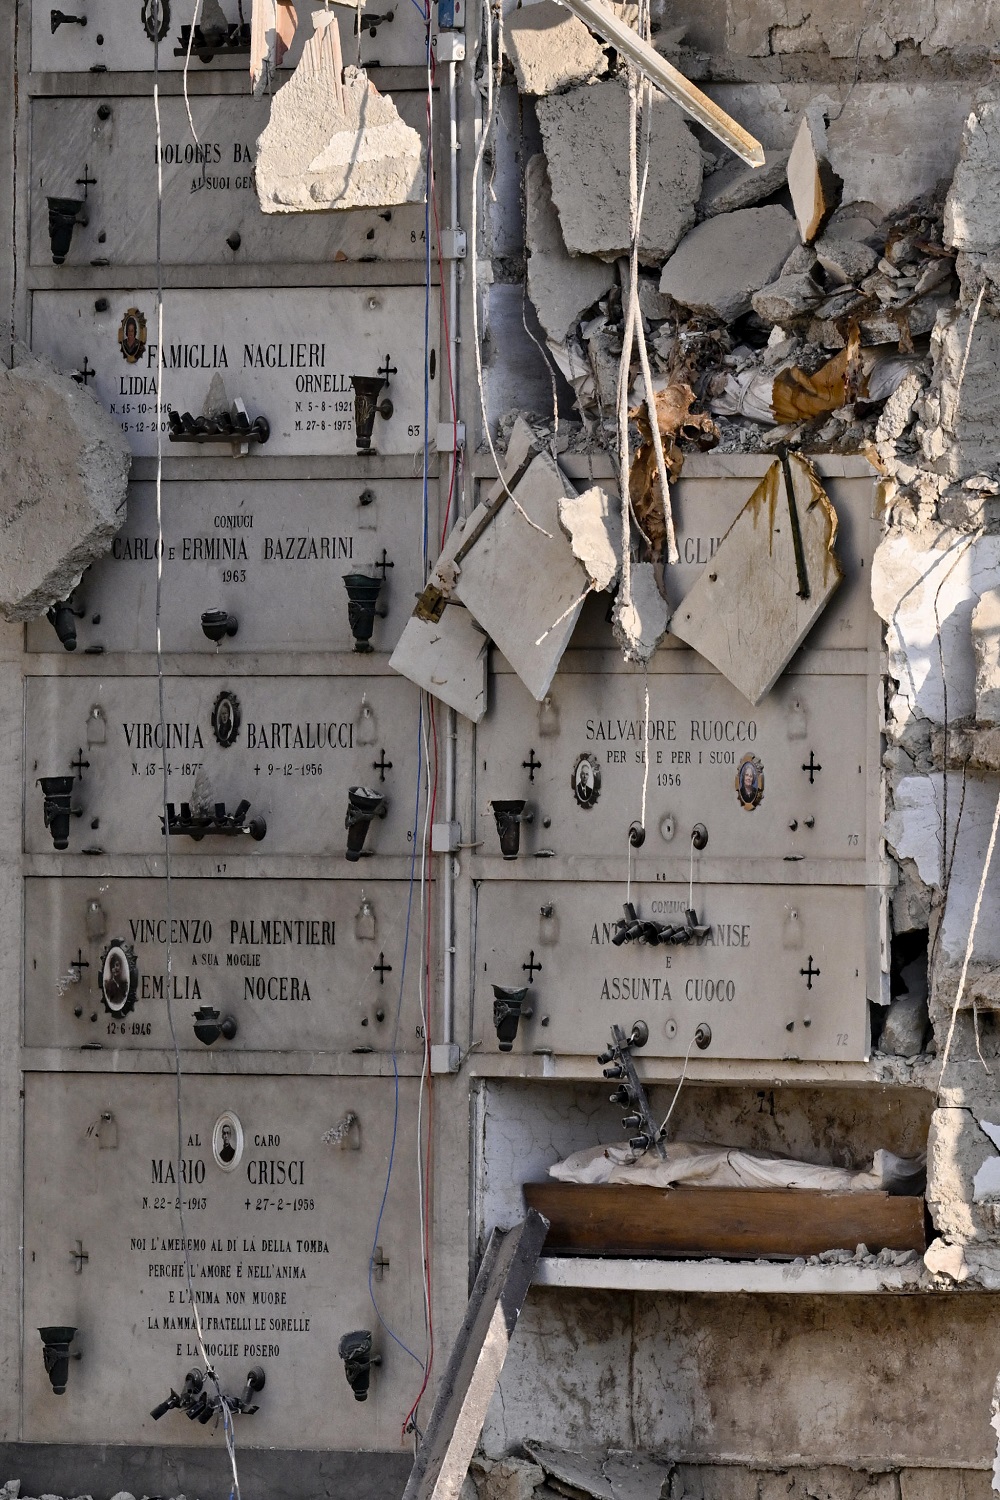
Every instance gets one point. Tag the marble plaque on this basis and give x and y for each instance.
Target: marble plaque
(278, 1230)
(781, 973)
(273, 555)
(288, 354)
(290, 746)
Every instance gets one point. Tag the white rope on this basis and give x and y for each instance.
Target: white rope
(959, 993)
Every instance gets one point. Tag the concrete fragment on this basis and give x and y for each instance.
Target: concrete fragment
(735, 185)
(333, 145)
(763, 590)
(905, 1026)
(986, 645)
(986, 1183)
(812, 182)
(580, 1469)
(913, 828)
(721, 263)
(640, 620)
(507, 1478)
(847, 260)
(551, 50)
(961, 417)
(791, 296)
(956, 1149)
(561, 286)
(943, 1259)
(61, 511)
(593, 526)
(585, 135)
(273, 25)
(972, 207)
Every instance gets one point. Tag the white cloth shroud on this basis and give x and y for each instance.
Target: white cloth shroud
(696, 1165)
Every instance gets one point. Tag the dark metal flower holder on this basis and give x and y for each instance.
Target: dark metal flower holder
(55, 1352)
(57, 807)
(62, 221)
(508, 1008)
(509, 817)
(210, 1024)
(367, 406)
(197, 825)
(362, 607)
(355, 1349)
(362, 806)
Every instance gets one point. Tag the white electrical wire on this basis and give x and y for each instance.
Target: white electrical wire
(645, 752)
(959, 993)
(222, 1407)
(187, 64)
(677, 1090)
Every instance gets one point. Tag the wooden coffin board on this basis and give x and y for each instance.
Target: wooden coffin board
(736, 1223)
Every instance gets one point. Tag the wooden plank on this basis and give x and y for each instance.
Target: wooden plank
(474, 1366)
(736, 1223)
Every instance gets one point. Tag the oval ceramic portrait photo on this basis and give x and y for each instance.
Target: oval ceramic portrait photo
(227, 1141)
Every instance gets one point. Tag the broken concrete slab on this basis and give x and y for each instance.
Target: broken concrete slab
(585, 135)
(447, 658)
(719, 265)
(576, 1473)
(790, 297)
(847, 261)
(641, 614)
(986, 645)
(772, 576)
(61, 511)
(593, 526)
(506, 1478)
(333, 141)
(272, 29)
(961, 410)
(561, 286)
(736, 185)
(812, 182)
(521, 580)
(956, 1149)
(972, 208)
(905, 1026)
(551, 50)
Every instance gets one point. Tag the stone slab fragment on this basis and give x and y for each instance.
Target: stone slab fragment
(735, 185)
(333, 141)
(771, 578)
(972, 208)
(447, 658)
(594, 531)
(60, 511)
(551, 49)
(561, 286)
(585, 135)
(525, 588)
(718, 266)
(812, 182)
